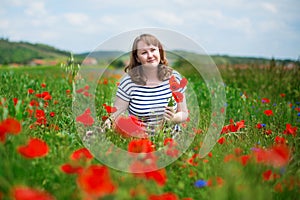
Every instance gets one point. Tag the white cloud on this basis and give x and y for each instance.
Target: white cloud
(269, 7)
(4, 23)
(16, 2)
(49, 35)
(35, 8)
(223, 26)
(108, 19)
(76, 18)
(164, 17)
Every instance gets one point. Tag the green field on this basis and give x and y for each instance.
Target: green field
(256, 157)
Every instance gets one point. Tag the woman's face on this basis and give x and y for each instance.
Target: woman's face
(148, 55)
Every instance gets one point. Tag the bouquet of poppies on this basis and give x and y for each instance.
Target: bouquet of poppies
(174, 87)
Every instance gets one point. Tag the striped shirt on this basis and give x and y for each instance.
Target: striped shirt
(147, 103)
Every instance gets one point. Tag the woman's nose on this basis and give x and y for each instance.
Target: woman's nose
(150, 54)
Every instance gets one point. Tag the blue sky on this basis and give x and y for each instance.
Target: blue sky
(260, 28)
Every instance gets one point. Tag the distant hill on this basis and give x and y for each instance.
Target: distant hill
(101, 54)
(25, 52)
(232, 60)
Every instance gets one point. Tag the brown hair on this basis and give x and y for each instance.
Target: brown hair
(135, 72)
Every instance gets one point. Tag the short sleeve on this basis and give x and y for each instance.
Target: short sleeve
(124, 88)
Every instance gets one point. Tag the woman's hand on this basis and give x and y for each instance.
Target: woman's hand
(169, 113)
(108, 124)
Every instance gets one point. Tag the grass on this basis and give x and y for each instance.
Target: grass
(234, 179)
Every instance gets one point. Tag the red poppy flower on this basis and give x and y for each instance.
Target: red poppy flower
(11, 126)
(221, 140)
(289, 129)
(43, 95)
(197, 131)
(171, 150)
(35, 148)
(80, 90)
(70, 169)
(229, 157)
(216, 181)
(27, 193)
(183, 82)
(233, 127)
(268, 112)
(265, 100)
(280, 140)
(30, 91)
(178, 96)
(129, 126)
(278, 187)
(105, 82)
(174, 85)
(192, 160)
(277, 156)
(268, 132)
(238, 151)
(225, 129)
(52, 114)
(259, 125)
(267, 175)
(95, 181)
(85, 118)
(109, 109)
(39, 113)
(40, 117)
(34, 103)
(244, 159)
(165, 196)
(222, 110)
(15, 100)
(82, 153)
(104, 118)
(47, 97)
(43, 85)
(169, 142)
(159, 176)
(140, 146)
(46, 104)
(87, 94)
(84, 90)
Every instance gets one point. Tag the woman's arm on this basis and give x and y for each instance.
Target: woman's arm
(121, 106)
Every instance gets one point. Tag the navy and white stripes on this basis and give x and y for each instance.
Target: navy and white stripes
(147, 103)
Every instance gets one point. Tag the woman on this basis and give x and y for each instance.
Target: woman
(145, 90)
